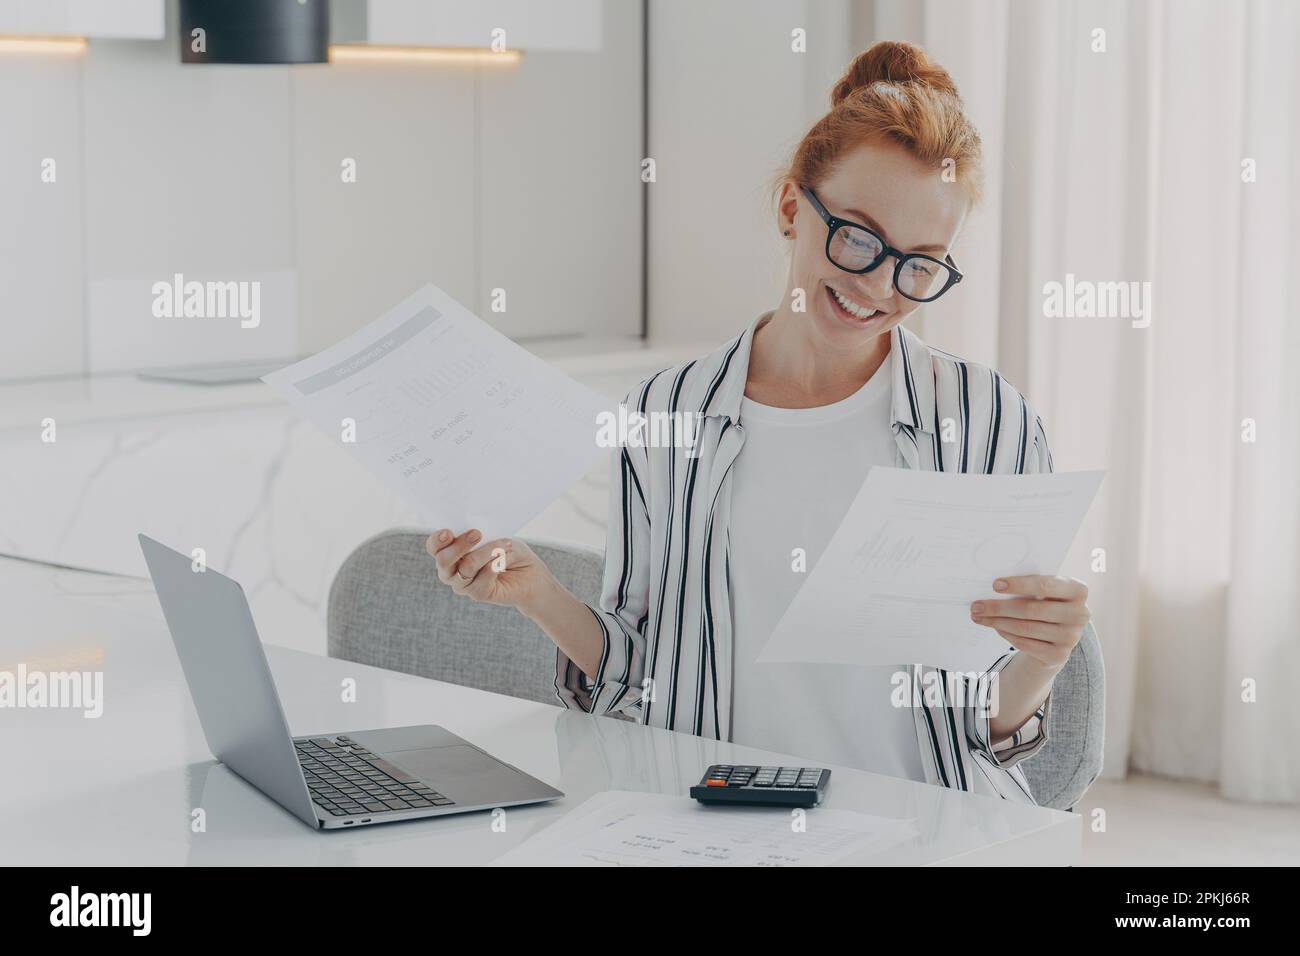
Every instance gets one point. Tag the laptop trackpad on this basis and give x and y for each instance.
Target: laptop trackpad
(466, 774)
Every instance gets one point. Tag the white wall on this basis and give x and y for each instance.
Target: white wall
(524, 178)
(40, 223)
(408, 216)
(545, 25)
(473, 177)
(729, 101)
(98, 18)
(187, 169)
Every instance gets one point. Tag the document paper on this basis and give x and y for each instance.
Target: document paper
(622, 828)
(468, 426)
(896, 582)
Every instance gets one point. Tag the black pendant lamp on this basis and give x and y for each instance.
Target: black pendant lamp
(255, 31)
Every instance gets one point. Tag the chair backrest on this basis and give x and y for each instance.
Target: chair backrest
(388, 608)
(1070, 761)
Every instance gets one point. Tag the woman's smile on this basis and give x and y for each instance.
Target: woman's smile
(852, 311)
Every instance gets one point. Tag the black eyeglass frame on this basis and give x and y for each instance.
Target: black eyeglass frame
(833, 224)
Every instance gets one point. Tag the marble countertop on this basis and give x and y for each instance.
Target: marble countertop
(598, 362)
(237, 471)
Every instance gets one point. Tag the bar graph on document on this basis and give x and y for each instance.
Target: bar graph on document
(886, 552)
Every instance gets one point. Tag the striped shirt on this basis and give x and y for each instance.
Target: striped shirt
(665, 609)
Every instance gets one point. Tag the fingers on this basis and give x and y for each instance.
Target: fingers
(1041, 631)
(447, 549)
(1042, 586)
(1043, 650)
(1054, 653)
(1033, 609)
(1045, 641)
(475, 570)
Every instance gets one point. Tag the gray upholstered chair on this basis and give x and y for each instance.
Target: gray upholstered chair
(387, 608)
(1061, 773)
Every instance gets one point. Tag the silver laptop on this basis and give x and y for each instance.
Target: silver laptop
(333, 781)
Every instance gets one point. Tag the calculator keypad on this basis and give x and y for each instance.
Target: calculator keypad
(762, 786)
(726, 775)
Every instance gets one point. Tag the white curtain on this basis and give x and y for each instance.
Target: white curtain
(1158, 142)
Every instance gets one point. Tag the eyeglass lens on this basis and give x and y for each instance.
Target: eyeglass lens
(854, 249)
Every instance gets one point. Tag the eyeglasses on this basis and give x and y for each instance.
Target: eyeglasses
(857, 249)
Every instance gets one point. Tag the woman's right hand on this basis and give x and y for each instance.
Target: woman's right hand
(502, 571)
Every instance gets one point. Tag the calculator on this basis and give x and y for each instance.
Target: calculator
(762, 786)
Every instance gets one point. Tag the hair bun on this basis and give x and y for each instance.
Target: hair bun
(892, 62)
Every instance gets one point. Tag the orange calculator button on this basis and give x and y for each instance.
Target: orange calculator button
(715, 783)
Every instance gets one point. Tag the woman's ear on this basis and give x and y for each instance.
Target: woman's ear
(787, 207)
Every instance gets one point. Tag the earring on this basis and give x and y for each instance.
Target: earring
(786, 233)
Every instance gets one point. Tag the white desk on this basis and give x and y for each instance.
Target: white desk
(120, 789)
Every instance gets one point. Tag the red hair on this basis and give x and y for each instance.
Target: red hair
(893, 91)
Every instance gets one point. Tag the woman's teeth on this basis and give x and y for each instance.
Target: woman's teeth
(852, 308)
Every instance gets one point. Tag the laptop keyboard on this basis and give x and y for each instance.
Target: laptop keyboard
(346, 779)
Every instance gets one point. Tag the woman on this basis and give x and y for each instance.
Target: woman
(795, 410)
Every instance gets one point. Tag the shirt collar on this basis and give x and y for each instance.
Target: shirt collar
(721, 385)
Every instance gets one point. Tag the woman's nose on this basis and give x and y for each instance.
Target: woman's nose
(878, 284)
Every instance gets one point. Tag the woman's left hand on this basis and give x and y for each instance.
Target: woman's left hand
(1044, 622)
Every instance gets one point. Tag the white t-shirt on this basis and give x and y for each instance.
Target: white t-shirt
(798, 471)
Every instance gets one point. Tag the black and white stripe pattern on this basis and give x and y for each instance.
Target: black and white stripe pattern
(665, 608)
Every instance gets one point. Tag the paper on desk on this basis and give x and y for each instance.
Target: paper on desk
(467, 425)
(896, 582)
(623, 828)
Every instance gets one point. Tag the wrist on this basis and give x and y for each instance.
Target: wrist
(1039, 669)
(542, 597)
